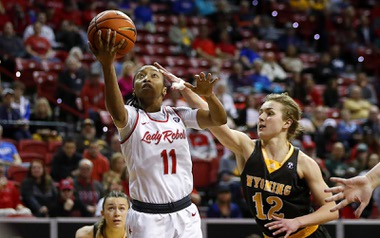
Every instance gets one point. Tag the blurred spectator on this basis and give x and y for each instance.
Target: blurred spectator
(337, 61)
(8, 152)
(182, 36)
(65, 161)
(245, 17)
(143, 16)
(174, 99)
(331, 96)
(349, 132)
(100, 162)
(326, 137)
(290, 37)
(20, 102)
(69, 36)
(43, 113)
(183, 7)
(19, 19)
(249, 53)
(225, 49)
(202, 145)
(272, 69)
(71, 81)
(368, 91)
(4, 16)
(114, 184)
(356, 104)
(249, 115)
(11, 46)
(223, 207)
(300, 5)
(365, 31)
(87, 190)
(227, 101)
(125, 82)
(87, 134)
(205, 7)
(237, 79)
(291, 61)
(66, 204)
(313, 97)
(117, 164)
(37, 190)
(267, 30)
(203, 45)
(10, 203)
(45, 31)
(371, 128)
(93, 99)
(260, 82)
(38, 47)
(14, 126)
(324, 69)
(335, 161)
(359, 158)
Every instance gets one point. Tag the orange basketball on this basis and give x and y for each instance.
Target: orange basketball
(116, 21)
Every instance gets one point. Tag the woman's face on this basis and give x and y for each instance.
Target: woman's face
(37, 170)
(115, 211)
(148, 82)
(270, 120)
(119, 164)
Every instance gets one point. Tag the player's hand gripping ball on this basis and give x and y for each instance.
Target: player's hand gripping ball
(116, 21)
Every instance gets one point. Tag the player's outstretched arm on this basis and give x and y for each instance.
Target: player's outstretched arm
(106, 54)
(211, 111)
(357, 189)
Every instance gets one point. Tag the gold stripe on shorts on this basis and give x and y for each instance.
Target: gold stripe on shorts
(307, 231)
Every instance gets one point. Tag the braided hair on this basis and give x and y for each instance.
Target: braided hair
(102, 224)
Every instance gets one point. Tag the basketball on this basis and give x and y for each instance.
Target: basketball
(116, 21)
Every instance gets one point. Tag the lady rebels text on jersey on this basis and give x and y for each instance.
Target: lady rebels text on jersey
(161, 168)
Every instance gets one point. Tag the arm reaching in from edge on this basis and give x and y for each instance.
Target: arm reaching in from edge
(211, 112)
(357, 189)
(236, 141)
(105, 54)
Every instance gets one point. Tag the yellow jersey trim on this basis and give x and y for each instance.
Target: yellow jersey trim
(273, 165)
(302, 233)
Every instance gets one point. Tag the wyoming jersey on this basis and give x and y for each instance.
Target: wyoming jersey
(273, 188)
(161, 169)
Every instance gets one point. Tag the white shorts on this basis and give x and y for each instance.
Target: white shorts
(182, 224)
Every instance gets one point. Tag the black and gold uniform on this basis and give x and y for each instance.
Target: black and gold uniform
(274, 188)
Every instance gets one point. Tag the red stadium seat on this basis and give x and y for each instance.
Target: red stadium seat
(47, 83)
(35, 146)
(205, 173)
(17, 173)
(53, 146)
(30, 156)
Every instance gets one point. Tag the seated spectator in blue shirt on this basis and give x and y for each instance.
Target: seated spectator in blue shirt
(143, 16)
(15, 127)
(223, 207)
(261, 83)
(249, 53)
(183, 7)
(8, 152)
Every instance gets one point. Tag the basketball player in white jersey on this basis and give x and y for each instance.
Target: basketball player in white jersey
(155, 146)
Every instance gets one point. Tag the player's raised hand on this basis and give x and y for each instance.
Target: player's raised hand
(106, 50)
(204, 84)
(357, 189)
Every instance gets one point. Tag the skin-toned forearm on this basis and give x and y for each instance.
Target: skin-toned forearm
(217, 113)
(114, 99)
(374, 176)
(320, 216)
(193, 99)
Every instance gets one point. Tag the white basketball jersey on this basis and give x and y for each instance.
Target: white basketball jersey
(158, 158)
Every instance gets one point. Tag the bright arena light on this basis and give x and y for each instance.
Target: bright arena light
(295, 25)
(59, 101)
(360, 59)
(18, 74)
(274, 14)
(317, 36)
